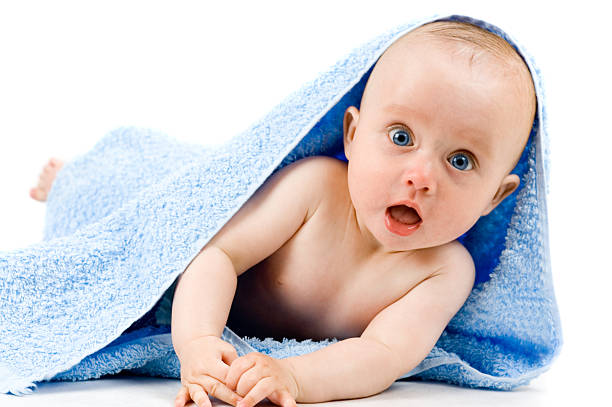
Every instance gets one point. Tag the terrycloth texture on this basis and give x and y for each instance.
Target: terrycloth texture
(125, 219)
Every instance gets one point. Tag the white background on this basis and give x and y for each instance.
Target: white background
(72, 71)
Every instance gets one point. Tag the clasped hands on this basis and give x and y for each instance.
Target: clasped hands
(211, 367)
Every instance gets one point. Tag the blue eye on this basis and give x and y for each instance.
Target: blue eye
(401, 137)
(461, 161)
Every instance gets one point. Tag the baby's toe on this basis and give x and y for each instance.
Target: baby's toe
(42, 182)
(55, 162)
(43, 177)
(38, 194)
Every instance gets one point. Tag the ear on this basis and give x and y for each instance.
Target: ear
(349, 125)
(507, 186)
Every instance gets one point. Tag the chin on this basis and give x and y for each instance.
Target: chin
(415, 241)
(400, 243)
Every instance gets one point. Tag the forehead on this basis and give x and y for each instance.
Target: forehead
(446, 58)
(433, 88)
(440, 82)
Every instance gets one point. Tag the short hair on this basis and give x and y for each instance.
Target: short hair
(470, 34)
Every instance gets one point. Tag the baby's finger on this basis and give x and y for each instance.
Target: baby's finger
(182, 397)
(282, 398)
(214, 368)
(236, 370)
(213, 387)
(199, 396)
(220, 391)
(260, 391)
(286, 399)
(229, 354)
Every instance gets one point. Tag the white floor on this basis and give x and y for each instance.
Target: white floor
(72, 71)
(554, 387)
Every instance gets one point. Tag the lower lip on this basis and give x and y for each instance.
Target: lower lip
(399, 228)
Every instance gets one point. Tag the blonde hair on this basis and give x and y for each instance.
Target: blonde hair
(470, 34)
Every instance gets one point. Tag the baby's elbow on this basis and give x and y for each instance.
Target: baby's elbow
(391, 365)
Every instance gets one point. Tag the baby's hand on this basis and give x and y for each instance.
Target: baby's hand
(204, 365)
(257, 376)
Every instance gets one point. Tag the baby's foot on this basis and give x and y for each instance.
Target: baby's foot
(47, 176)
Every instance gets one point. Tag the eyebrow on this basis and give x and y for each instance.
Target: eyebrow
(483, 146)
(395, 107)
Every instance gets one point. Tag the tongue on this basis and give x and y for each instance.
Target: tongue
(404, 214)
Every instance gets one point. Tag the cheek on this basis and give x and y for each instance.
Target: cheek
(461, 210)
(366, 184)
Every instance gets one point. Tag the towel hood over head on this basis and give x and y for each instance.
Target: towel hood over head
(88, 300)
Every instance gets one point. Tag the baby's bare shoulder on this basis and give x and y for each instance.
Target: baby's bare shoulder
(455, 263)
(450, 262)
(320, 166)
(322, 174)
(274, 213)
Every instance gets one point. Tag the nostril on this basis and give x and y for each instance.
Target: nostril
(419, 185)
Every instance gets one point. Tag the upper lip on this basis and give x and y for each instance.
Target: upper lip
(411, 204)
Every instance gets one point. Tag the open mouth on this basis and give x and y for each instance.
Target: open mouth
(402, 219)
(404, 214)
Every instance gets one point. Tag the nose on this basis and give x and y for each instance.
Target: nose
(420, 175)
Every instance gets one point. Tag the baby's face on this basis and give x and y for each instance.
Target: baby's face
(439, 133)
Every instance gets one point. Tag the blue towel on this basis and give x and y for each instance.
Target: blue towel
(126, 218)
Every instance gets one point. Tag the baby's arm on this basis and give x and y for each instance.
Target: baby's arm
(205, 291)
(208, 283)
(394, 342)
(202, 298)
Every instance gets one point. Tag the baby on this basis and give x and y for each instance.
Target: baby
(363, 251)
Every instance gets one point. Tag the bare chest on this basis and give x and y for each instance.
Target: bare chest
(316, 287)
